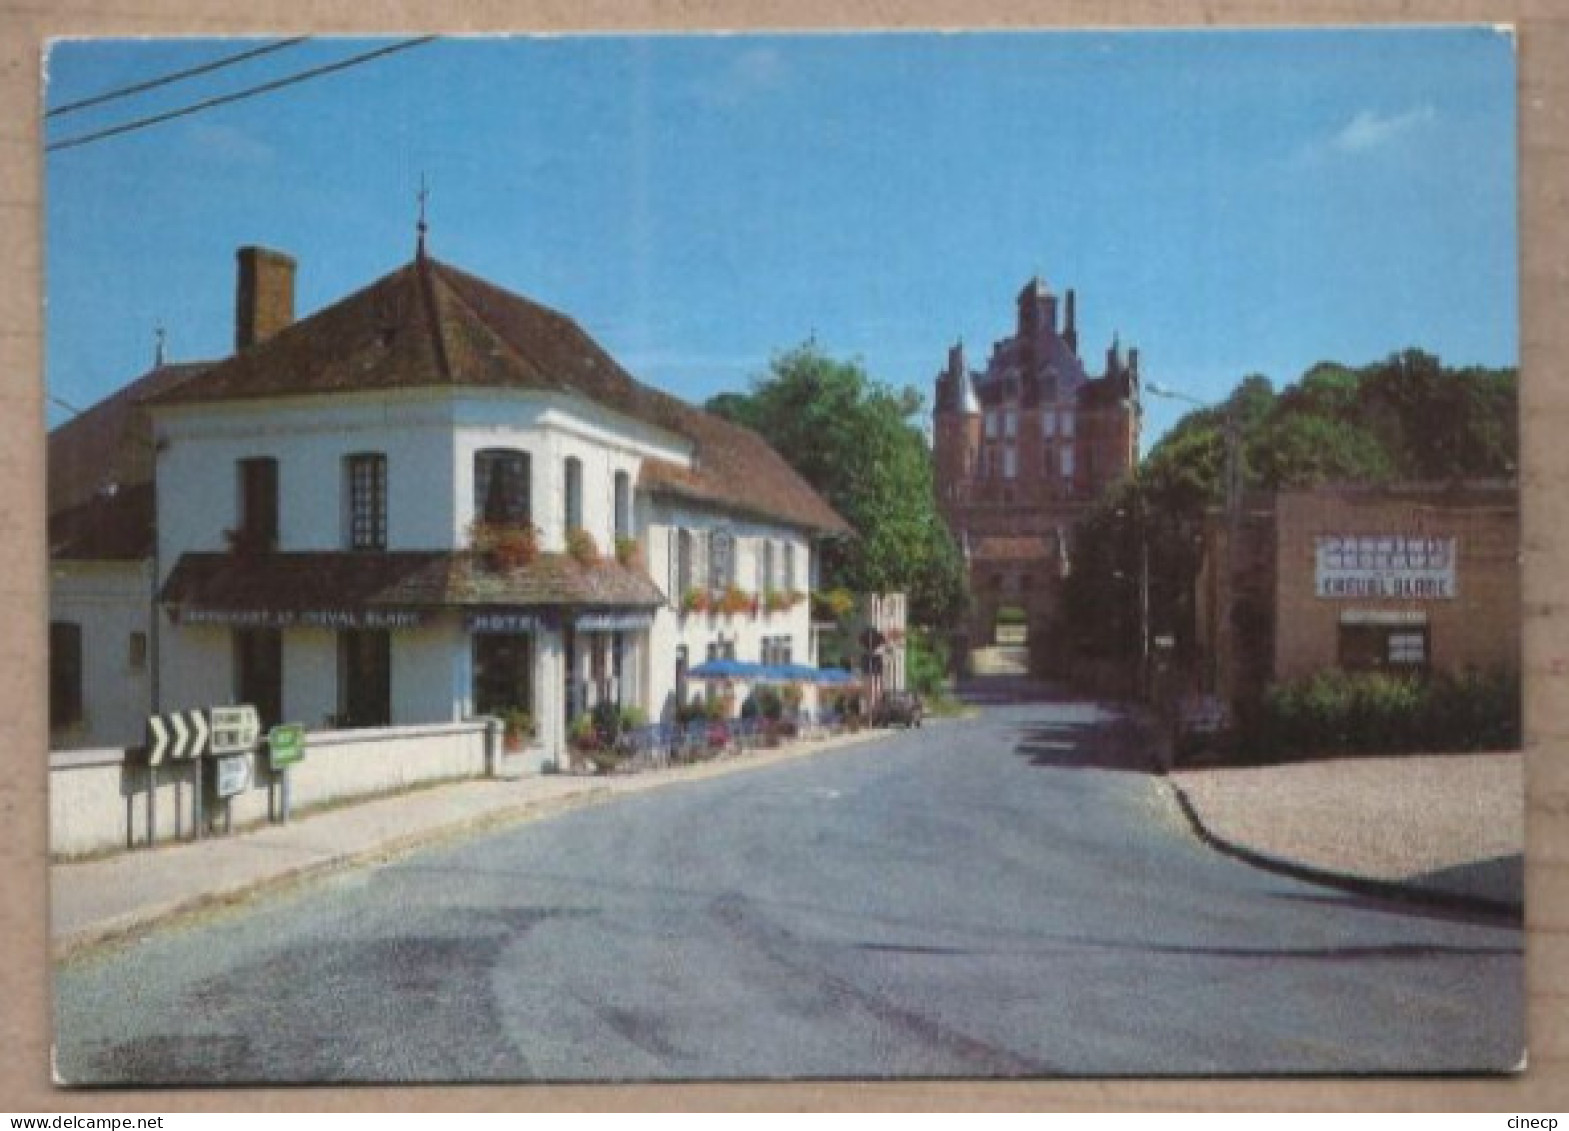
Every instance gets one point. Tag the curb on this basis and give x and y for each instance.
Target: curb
(1394, 891)
(596, 790)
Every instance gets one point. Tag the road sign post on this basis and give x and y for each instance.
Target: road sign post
(285, 748)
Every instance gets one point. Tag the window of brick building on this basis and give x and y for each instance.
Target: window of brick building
(1383, 647)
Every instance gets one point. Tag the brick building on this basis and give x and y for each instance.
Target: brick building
(1414, 577)
(1023, 448)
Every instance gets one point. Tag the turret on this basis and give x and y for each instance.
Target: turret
(1037, 309)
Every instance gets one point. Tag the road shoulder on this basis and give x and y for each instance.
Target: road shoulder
(1435, 829)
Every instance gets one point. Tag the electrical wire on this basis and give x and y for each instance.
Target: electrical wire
(249, 92)
(176, 76)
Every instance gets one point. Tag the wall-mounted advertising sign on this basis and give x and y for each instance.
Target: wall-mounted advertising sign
(501, 620)
(1398, 567)
(302, 618)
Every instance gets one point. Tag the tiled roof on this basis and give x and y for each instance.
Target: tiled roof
(100, 499)
(110, 442)
(399, 579)
(428, 324)
(1009, 548)
(117, 527)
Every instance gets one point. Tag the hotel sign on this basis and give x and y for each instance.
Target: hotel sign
(1391, 566)
(303, 618)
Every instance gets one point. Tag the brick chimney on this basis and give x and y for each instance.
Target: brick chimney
(263, 295)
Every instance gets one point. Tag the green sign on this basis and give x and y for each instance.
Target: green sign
(285, 746)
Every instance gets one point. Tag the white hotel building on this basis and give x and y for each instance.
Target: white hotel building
(316, 499)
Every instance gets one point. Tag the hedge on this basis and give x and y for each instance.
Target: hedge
(1337, 712)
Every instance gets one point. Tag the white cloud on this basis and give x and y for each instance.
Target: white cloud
(1370, 130)
(754, 71)
(230, 145)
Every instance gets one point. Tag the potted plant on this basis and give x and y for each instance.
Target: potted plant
(628, 552)
(504, 545)
(582, 547)
(735, 600)
(581, 735)
(695, 601)
(517, 727)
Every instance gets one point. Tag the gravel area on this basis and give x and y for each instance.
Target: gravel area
(1453, 822)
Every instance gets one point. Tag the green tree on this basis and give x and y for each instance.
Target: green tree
(853, 439)
(1406, 418)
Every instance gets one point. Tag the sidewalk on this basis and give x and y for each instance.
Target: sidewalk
(96, 900)
(1439, 829)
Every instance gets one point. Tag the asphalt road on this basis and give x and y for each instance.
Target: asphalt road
(1009, 896)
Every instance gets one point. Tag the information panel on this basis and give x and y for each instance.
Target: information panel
(1397, 567)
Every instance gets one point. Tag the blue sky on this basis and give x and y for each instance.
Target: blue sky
(1229, 202)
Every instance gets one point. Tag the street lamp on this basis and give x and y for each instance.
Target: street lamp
(1233, 485)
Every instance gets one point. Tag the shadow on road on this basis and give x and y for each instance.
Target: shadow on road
(1117, 744)
(998, 690)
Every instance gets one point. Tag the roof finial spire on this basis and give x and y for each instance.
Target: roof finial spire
(420, 226)
(158, 343)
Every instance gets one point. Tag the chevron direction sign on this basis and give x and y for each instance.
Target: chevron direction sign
(177, 735)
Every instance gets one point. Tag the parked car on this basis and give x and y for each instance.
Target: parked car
(1202, 724)
(899, 708)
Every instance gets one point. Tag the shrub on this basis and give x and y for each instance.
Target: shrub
(832, 604)
(1011, 614)
(607, 722)
(1337, 712)
(769, 703)
(926, 663)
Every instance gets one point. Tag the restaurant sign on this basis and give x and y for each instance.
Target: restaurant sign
(302, 618)
(1391, 566)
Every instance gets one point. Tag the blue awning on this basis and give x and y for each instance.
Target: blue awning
(728, 669)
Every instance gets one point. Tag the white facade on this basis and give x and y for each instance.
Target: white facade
(105, 605)
(714, 633)
(429, 439)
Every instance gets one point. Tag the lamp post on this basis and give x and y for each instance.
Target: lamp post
(1232, 485)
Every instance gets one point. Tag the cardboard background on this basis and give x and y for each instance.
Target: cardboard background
(1543, 45)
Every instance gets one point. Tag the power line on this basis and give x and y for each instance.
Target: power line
(249, 92)
(176, 76)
